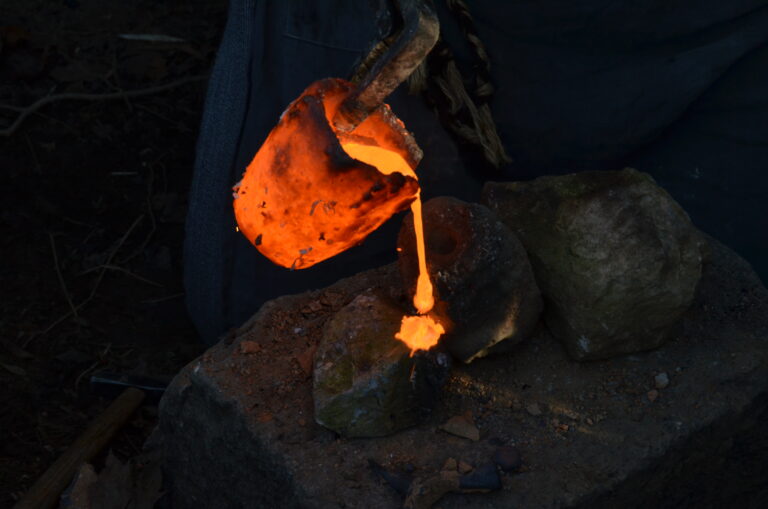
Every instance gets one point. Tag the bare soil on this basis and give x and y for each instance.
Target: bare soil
(94, 198)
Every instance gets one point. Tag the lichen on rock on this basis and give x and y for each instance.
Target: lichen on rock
(366, 383)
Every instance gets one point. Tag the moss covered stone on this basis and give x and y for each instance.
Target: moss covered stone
(366, 384)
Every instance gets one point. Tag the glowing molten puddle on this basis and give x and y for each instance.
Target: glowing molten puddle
(417, 332)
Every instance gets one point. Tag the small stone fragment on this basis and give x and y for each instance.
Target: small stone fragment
(483, 479)
(464, 467)
(461, 426)
(661, 380)
(450, 464)
(533, 409)
(400, 482)
(366, 384)
(479, 270)
(652, 395)
(248, 347)
(616, 258)
(306, 359)
(508, 458)
(424, 493)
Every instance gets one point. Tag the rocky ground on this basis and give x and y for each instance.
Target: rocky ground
(683, 425)
(91, 226)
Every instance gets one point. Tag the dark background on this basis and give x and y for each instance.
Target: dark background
(94, 192)
(105, 181)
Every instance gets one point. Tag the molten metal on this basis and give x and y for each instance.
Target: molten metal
(304, 198)
(312, 191)
(418, 332)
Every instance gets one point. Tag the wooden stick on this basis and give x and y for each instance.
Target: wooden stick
(77, 96)
(44, 494)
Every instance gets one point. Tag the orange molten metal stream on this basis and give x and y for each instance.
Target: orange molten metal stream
(420, 332)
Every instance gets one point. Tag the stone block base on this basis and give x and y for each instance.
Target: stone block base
(237, 426)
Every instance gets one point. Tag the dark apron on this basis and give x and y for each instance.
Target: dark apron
(676, 89)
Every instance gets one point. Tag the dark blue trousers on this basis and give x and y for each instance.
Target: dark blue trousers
(676, 89)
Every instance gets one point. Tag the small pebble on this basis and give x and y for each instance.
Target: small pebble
(461, 426)
(249, 347)
(662, 380)
(652, 395)
(508, 458)
(465, 467)
(533, 409)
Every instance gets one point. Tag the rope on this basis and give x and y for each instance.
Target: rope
(466, 114)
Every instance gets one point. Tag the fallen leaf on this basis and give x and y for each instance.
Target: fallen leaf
(77, 496)
(112, 490)
(136, 484)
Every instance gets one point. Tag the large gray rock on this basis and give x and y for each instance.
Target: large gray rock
(615, 257)
(480, 271)
(237, 430)
(366, 383)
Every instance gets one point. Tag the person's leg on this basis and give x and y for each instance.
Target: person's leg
(255, 78)
(581, 89)
(714, 161)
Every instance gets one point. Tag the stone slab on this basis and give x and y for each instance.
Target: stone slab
(237, 429)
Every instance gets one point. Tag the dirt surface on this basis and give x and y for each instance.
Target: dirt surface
(237, 424)
(91, 226)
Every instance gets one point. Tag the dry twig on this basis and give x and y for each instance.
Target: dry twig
(96, 285)
(24, 112)
(117, 268)
(60, 276)
(150, 212)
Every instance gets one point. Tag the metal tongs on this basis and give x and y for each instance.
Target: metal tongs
(405, 50)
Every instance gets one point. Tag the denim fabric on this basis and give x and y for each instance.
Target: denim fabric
(673, 88)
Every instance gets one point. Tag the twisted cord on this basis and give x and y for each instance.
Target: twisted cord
(466, 114)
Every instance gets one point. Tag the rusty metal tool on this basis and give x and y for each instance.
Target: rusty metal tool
(109, 385)
(405, 51)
